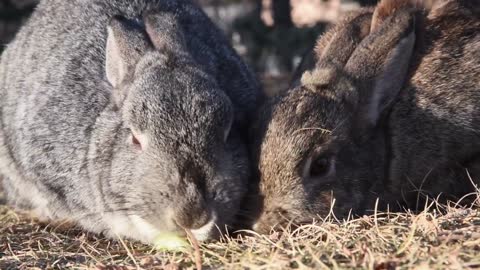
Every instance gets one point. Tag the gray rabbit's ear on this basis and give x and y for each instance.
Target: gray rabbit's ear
(380, 64)
(127, 42)
(164, 31)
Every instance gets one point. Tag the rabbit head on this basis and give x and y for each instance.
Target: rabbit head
(178, 159)
(317, 146)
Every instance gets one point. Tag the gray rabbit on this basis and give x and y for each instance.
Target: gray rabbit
(391, 110)
(126, 117)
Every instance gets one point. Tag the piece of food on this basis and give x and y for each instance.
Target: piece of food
(170, 242)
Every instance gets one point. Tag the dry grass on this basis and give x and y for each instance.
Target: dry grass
(382, 241)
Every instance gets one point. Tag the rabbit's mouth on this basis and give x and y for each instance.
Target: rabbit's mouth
(207, 231)
(139, 228)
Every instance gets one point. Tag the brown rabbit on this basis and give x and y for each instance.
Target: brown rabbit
(391, 111)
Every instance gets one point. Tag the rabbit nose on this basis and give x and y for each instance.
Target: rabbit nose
(192, 213)
(271, 220)
(191, 208)
(193, 218)
(265, 225)
(202, 225)
(209, 230)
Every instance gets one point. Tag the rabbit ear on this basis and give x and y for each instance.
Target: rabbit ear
(164, 31)
(337, 44)
(390, 81)
(386, 8)
(127, 42)
(380, 64)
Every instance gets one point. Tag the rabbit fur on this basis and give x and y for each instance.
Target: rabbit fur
(127, 117)
(390, 110)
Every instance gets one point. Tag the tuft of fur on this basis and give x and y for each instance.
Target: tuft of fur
(318, 78)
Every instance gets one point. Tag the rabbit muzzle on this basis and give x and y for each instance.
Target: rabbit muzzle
(280, 218)
(200, 221)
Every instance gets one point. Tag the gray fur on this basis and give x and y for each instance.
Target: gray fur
(68, 106)
(397, 121)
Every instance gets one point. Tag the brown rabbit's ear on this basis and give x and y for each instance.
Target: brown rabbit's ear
(380, 64)
(127, 42)
(338, 43)
(386, 8)
(164, 31)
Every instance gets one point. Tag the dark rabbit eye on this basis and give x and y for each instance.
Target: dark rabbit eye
(320, 166)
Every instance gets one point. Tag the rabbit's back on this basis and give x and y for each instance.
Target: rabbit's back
(63, 46)
(438, 111)
(447, 74)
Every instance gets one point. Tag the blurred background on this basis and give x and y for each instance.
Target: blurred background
(271, 35)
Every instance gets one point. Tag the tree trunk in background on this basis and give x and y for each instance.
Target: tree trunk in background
(367, 2)
(282, 13)
(283, 25)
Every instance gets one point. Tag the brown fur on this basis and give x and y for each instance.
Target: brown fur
(424, 133)
(454, 8)
(323, 49)
(386, 8)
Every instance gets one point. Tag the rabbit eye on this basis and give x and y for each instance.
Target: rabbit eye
(135, 141)
(320, 166)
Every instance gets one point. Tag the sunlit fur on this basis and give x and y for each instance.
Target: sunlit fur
(399, 127)
(67, 116)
